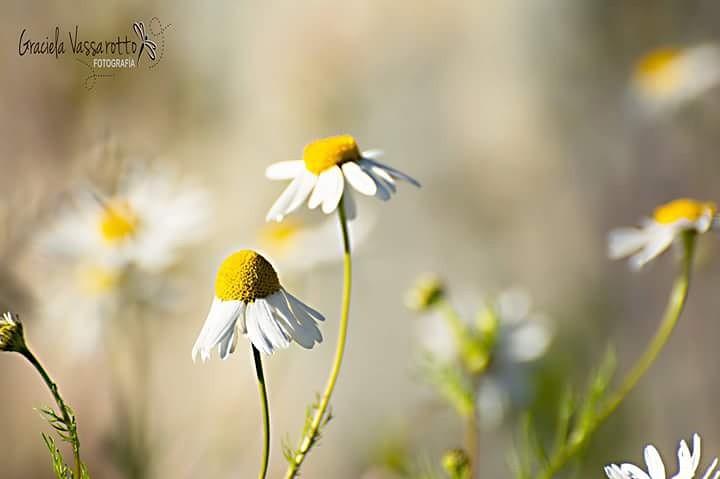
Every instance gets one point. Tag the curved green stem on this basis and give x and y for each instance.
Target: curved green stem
(67, 416)
(311, 433)
(265, 410)
(676, 303)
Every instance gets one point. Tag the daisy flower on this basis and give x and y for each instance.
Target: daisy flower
(11, 333)
(668, 77)
(656, 234)
(250, 300)
(327, 165)
(688, 462)
(146, 222)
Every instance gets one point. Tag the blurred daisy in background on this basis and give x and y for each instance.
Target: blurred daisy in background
(328, 167)
(656, 234)
(111, 249)
(297, 247)
(146, 222)
(688, 463)
(496, 348)
(669, 77)
(523, 336)
(249, 300)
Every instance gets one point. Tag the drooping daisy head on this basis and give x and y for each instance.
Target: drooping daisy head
(656, 234)
(688, 463)
(328, 165)
(146, 221)
(668, 77)
(250, 300)
(12, 337)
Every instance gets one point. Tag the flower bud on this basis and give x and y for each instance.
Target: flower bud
(426, 292)
(457, 464)
(11, 333)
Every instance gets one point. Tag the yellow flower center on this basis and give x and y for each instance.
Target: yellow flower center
(328, 152)
(118, 221)
(245, 276)
(97, 279)
(278, 236)
(683, 209)
(659, 72)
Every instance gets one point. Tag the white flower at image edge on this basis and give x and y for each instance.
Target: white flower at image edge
(249, 300)
(327, 165)
(655, 235)
(145, 222)
(688, 463)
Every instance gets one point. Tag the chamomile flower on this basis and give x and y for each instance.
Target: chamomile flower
(250, 300)
(146, 222)
(327, 165)
(668, 77)
(656, 234)
(688, 463)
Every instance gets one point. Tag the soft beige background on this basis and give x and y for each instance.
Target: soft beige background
(514, 116)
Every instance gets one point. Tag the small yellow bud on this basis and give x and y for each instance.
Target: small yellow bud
(427, 291)
(457, 464)
(11, 333)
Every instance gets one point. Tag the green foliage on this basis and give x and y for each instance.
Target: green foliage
(451, 382)
(294, 456)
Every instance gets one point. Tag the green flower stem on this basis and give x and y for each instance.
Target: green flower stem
(311, 433)
(64, 409)
(265, 411)
(472, 441)
(676, 303)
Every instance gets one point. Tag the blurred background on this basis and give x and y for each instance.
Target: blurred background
(519, 119)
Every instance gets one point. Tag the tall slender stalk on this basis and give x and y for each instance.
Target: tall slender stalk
(311, 433)
(265, 411)
(676, 303)
(67, 416)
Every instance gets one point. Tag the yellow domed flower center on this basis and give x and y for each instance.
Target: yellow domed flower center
(118, 221)
(278, 236)
(683, 209)
(659, 71)
(245, 276)
(328, 152)
(98, 279)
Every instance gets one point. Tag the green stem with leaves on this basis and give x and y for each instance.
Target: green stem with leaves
(265, 412)
(65, 411)
(311, 433)
(676, 303)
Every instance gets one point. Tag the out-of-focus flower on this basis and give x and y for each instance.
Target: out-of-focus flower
(11, 333)
(522, 336)
(655, 235)
(327, 165)
(425, 293)
(296, 247)
(146, 222)
(456, 463)
(247, 290)
(669, 77)
(688, 463)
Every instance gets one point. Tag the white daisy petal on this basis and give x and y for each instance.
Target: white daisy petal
(332, 199)
(359, 179)
(305, 335)
(307, 183)
(383, 192)
(373, 154)
(633, 472)
(254, 333)
(389, 182)
(219, 325)
(285, 170)
(269, 326)
(281, 207)
(349, 204)
(660, 241)
(656, 468)
(626, 241)
(394, 173)
(298, 305)
(323, 188)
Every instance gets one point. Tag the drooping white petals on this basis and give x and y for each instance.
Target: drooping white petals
(281, 206)
(623, 242)
(397, 174)
(349, 204)
(323, 188)
(359, 179)
(658, 242)
(285, 170)
(219, 328)
(332, 198)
